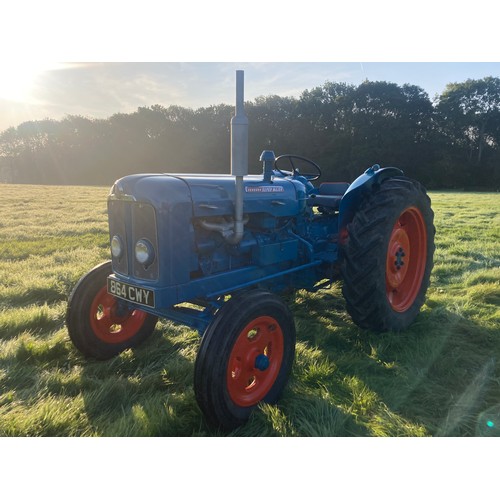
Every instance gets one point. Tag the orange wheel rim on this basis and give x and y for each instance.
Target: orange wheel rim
(406, 259)
(255, 361)
(109, 323)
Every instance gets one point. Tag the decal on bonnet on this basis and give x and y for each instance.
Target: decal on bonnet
(264, 189)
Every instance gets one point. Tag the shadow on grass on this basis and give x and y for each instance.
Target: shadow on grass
(146, 391)
(439, 377)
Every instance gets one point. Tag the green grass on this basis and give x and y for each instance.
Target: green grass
(438, 378)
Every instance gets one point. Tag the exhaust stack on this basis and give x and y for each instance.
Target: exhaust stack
(232, 232)
(239, 155)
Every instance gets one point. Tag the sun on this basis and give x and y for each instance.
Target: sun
(18, 79)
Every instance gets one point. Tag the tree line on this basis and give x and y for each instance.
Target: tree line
(452, 141)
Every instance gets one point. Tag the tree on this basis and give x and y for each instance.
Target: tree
(390, 124)
(469, 117)
(344, 128)
(273, 125)
(325, 120)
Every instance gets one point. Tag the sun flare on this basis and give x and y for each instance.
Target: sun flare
(18, 79)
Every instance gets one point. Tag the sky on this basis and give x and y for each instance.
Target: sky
(95, 58)
(44, 89)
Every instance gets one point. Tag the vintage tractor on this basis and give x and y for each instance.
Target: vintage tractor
(215, 252)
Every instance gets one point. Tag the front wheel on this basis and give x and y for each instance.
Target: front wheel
(99, 325)
(387, 256)
(245, 357)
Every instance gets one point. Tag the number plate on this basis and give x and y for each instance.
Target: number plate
(132, 293)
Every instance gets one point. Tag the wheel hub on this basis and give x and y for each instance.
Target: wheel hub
(262, 362)
(399, 263)
(398, 256)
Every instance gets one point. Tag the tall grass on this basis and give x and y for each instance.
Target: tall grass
(438, 378)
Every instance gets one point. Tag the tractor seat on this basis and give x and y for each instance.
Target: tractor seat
(329, 195)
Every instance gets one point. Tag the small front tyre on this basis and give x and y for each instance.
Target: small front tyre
(99, 325)
(245, 357)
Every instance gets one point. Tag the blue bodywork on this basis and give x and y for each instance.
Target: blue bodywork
(291, 237)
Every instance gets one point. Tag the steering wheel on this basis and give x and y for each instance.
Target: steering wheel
(295, 171)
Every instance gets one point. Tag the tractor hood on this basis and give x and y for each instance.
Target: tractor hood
(212, 195)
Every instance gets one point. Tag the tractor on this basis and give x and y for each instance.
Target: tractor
(219, 252)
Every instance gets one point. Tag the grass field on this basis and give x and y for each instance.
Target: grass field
(439, 378)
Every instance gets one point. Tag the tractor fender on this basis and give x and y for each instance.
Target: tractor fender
(358, 190)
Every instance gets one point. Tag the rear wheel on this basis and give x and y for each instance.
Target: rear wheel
(245, 357)
(99, 325)
(388, 256)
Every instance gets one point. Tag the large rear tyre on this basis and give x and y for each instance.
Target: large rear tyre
(245, 357)
(387, 256)
(99, 325)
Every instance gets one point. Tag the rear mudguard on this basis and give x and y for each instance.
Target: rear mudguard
(358, 190)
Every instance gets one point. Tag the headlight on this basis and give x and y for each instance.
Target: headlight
(116, 247)
(144, 252)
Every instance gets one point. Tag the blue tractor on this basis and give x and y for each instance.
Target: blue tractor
(217, 252)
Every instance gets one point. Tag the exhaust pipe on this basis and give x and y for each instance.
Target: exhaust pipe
(239, 155)
(233, 232)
